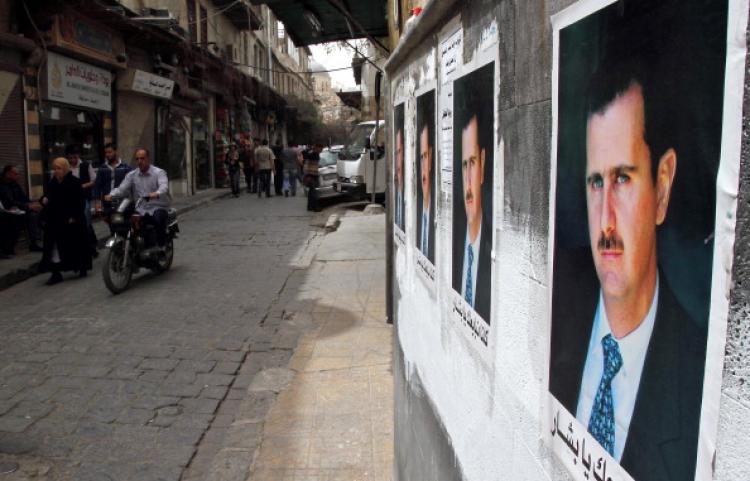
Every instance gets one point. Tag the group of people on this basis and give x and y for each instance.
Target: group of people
(282, 167)
(59, 224)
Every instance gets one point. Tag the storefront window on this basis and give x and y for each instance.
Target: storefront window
(201, 154)
(172, 140)
(64, 125)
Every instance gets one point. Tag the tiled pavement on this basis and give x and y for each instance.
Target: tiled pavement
(176, 378)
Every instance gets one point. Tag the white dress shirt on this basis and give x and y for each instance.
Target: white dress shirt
(137, 184)
(112, 169)
(625, 384)
(76, 171)
(474, 247)
(425, 233)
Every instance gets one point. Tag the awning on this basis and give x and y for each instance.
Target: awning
(351, 99)
(318, 21)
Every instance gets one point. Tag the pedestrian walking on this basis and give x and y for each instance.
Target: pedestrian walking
(233, 169)
(108, 177)
(247, 158)
(17, 212)
(83, 171)
(278, 168)
(310, 168)
(65, 233)
(264, 159)
(290, 163)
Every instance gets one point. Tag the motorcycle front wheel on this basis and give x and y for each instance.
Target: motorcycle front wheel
(116, 271)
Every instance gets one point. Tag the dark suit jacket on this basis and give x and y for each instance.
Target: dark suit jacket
(663, 436)
(430, 254)
(483, 292)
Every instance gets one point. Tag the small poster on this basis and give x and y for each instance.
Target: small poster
(399, 211)
(425, 188)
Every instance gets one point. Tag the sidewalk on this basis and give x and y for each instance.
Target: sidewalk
(24, 264)
(327, 416)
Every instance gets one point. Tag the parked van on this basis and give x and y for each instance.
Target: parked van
(362, 162)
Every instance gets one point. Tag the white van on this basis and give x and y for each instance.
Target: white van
(362, 160)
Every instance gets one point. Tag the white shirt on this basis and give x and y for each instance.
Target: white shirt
(474, 247)
(112, 168)
(137, 184)
(625, 384)
(77, 172)
(425, 232)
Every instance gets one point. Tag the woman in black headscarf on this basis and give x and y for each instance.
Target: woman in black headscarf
(65, 235)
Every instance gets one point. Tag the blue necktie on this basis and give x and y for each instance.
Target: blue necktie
(424, 234)
(469, 291)
(602, 420)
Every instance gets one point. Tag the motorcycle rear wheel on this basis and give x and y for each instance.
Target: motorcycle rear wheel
(116, 275)
(164, 263)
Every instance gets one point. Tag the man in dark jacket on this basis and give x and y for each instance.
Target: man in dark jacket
(84, 171)
(108, 176)
(17, 210)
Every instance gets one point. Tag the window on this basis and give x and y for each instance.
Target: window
(204, 26)
(192, 23)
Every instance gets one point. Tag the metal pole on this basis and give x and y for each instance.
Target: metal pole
(378, 78)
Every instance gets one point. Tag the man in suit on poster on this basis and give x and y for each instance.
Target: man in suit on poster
(425, 214)
(399, 180)
(474, 257)
(626, 358)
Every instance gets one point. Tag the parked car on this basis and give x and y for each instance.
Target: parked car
(327, 170)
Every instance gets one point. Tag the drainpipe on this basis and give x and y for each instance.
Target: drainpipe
(268, 47)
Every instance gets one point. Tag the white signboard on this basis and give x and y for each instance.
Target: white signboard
(78, 83)
(150, 84)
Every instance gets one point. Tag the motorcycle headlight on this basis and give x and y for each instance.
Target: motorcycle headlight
(358, 179)
(117, 218)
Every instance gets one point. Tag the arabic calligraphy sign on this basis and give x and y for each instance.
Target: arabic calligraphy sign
(78, 83)
(150, 84)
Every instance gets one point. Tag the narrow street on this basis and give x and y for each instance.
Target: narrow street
(147, 385)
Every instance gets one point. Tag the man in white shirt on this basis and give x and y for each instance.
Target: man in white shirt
(425, 234)
(150, 182)
(87, 175)
(475, 260)
(399, 180)
(636, 381)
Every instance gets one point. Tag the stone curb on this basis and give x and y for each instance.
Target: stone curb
(21, 274)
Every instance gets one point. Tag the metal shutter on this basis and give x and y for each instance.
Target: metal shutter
(12, 133)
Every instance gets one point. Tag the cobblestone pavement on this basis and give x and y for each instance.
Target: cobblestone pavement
(100, 387)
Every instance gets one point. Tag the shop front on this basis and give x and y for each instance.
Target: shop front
(76, 109)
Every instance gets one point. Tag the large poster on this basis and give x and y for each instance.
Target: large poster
(399, 210)
(473, 170)
(639, 97)
(425, 178)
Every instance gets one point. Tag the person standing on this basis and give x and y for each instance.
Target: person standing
(290, 164)
(312, 161)
(65, 233)
(278, 168)
(264, 159)
(233, 169)
(17, 210)
(247, 159)
(84, 172)
(108, 177)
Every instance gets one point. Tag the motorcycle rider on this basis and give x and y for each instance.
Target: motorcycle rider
(147, 181)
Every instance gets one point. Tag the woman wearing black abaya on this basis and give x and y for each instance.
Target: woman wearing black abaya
(66, 245)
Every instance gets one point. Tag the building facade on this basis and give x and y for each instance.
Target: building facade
(182, 78)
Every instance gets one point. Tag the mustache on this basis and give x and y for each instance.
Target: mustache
(610, 242)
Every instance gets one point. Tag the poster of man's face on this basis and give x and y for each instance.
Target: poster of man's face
(425, 145)
(398, 167)
(638, 148)
(473, 149)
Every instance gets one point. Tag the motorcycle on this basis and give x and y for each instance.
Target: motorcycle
(133, 245)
